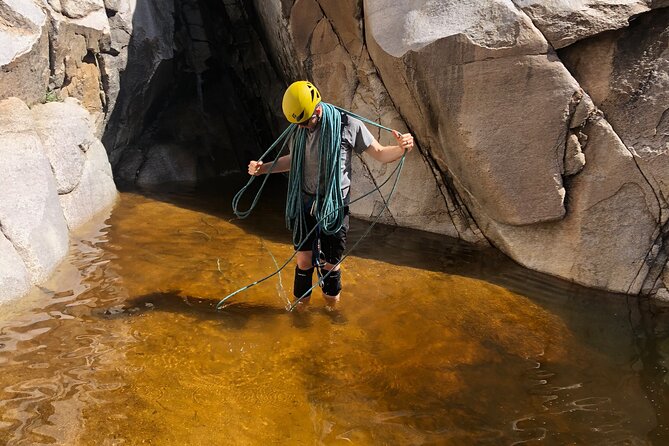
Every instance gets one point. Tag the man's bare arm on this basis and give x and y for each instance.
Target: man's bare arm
(388, 154)
(280, 165)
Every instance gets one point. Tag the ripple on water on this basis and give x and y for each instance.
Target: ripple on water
(434, 347)
(573, 412)
(52, 359)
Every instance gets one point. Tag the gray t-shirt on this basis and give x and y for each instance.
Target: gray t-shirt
(354, 137)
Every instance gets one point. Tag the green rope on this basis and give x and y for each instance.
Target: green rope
(329, 212)
(330, 209)
(363, 119)
(285, 136)
(397, 169)
(374, 222)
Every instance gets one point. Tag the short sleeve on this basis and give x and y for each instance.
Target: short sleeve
(362, 137)
(290, 143)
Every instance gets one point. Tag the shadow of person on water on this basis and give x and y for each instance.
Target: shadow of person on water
(235, 315)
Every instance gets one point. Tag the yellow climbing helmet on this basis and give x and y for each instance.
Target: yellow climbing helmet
(300, 101)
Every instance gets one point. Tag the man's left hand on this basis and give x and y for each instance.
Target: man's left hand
(404, 141)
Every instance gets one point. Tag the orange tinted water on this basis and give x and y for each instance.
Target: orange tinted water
(436, 343)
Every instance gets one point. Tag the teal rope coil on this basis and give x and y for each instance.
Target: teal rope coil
(329, 212)
(397, 169)
(285, 137)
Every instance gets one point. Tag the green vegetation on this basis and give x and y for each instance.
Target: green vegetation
(51, 96)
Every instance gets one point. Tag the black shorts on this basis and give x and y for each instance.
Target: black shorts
(332, 245)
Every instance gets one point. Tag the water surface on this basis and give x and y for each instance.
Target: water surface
(436, 342)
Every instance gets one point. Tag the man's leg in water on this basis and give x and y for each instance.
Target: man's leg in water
(304, 266)
(331, 301)
(333, 247)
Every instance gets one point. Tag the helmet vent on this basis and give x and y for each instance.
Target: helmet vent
(300, 116)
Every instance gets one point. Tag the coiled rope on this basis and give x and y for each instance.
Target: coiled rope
(329, 209)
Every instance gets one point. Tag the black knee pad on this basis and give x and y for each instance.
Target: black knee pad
(302, 282)
(332, 283)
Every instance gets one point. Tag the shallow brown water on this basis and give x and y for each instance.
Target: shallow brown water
(436, 343)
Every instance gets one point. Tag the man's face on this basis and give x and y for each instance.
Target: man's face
(312, 122)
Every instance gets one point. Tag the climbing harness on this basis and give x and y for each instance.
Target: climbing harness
(328, 210)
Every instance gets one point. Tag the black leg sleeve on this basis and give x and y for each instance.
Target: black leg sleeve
(302, 281)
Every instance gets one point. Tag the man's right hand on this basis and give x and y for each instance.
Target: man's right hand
(254, 168)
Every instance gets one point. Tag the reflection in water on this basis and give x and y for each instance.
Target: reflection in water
(650, 329)
(437, 343)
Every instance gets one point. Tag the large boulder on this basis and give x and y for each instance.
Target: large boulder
(96, 190)
(53, 173)
(564, 22)
(78, 160)
(628, 75)
(24, 50)
(487, 102)
(30, 214)
(544, 175)
(14, 278)
(323, 41)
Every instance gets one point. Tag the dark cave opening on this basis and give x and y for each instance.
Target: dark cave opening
(204, 112)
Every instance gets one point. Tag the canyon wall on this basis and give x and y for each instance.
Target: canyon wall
(542, 122)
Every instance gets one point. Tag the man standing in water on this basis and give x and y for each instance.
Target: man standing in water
(302, 106)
